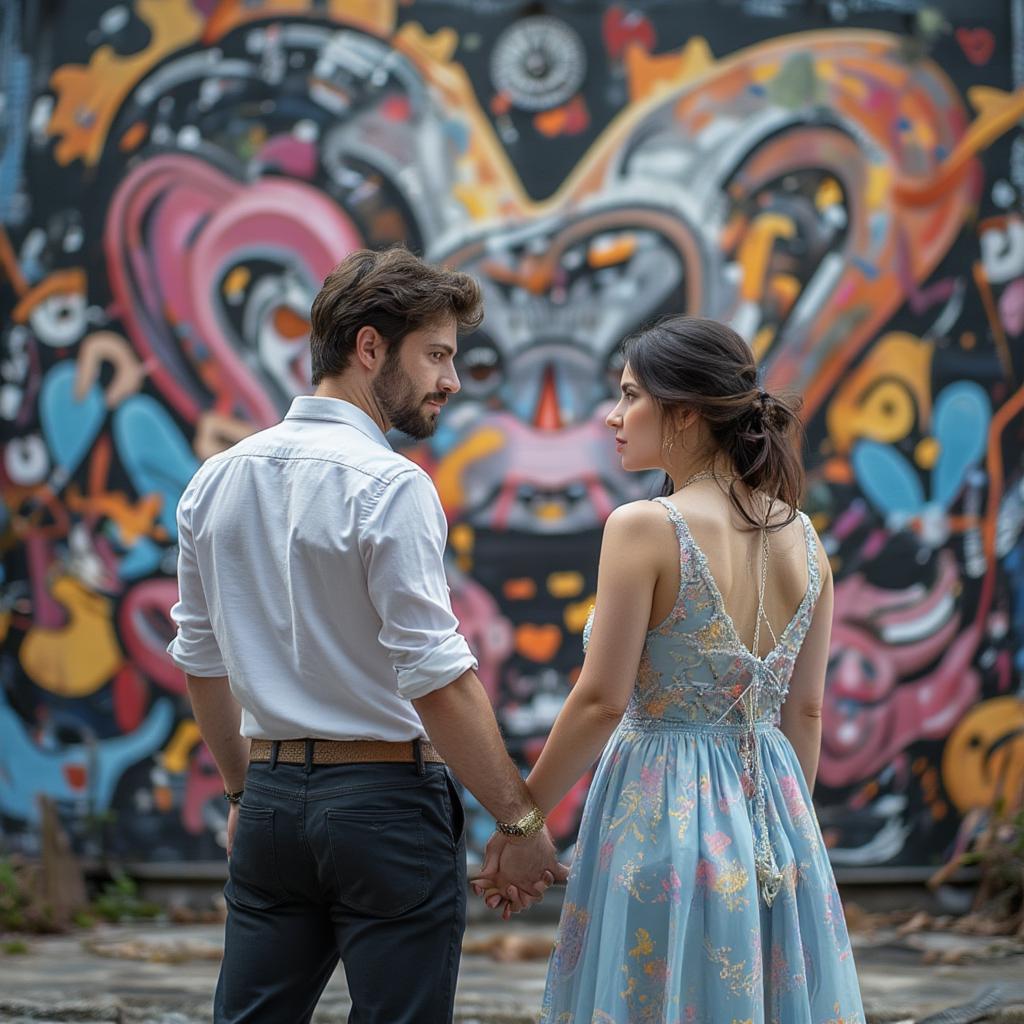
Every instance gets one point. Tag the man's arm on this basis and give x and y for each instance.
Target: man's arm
(196, 651)
(403, 542)
(460, 722)
(218, 716)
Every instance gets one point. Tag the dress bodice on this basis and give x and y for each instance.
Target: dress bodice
(694, 666)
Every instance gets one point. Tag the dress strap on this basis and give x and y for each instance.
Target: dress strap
(687, 558)
(682, 531)
(813, 568)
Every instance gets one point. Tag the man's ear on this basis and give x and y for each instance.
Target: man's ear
(370, 347)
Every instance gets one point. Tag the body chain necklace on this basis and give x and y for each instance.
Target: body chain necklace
(709, 474)
(770, 878)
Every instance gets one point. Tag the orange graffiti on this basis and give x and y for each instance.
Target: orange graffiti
(88, 98)
(538, 643)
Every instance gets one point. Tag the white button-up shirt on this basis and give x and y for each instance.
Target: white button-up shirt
(311, 574)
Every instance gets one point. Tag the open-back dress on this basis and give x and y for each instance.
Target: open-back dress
(701, 891)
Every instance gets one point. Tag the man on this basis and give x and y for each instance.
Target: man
(314, 623)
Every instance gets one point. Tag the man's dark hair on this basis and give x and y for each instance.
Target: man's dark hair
(392, 291)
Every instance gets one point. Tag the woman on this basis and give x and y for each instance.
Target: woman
(701, 890)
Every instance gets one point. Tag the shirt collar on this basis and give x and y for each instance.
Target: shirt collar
(336, 410)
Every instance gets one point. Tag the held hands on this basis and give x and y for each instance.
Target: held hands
(516, 872)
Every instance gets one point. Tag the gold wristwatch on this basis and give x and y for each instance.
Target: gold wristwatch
(528, 825)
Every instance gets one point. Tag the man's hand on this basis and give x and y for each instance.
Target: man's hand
(232, 825)
(516, 872)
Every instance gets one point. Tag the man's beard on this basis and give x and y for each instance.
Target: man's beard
(401, 403)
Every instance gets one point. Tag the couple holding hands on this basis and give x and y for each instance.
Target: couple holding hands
(332, 687)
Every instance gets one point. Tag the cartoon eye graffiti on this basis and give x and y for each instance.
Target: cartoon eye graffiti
(282, 347)
(479, 366)
(59, 320)
(268, 308)
(290, 326)
(887, 411)
(887, 397)
(26, 460)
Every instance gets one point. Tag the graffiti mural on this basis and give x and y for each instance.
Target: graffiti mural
(842, 182)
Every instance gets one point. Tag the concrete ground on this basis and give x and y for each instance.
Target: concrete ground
(165, 974)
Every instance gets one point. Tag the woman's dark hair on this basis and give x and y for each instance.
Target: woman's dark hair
(392, 291)
(690, 363)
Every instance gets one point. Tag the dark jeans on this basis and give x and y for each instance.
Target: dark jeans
(364, 863)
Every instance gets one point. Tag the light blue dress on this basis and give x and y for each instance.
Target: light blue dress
(701, 892)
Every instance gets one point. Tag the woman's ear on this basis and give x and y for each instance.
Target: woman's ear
(682, 419)
(673, 423)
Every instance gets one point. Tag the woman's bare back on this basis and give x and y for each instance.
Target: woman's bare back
(733, 550)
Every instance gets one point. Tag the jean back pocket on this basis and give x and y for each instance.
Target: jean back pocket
(253, 878)
(379, 860)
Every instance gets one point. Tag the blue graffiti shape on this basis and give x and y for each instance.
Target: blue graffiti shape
(890, 482)
(73, 774)
(16, 88)
(69, 426)
(157, 457)
(152, 449)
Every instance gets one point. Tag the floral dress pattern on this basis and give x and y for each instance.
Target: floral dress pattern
(701, 891)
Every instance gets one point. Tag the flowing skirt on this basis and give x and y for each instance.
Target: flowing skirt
(663, 921)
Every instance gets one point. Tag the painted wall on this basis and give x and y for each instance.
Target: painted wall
(842, 181)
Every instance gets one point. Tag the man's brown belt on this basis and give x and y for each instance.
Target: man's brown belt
(342, 752)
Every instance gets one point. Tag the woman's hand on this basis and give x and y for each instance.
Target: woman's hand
(515, 874)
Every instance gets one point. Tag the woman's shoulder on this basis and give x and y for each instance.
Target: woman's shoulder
(638, 537)
(638, 524)
(635, 514)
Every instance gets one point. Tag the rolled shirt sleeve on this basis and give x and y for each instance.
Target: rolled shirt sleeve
(402, 545)
(194, 649)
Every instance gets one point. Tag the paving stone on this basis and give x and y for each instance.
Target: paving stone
(63, 978)
(47, 1011)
